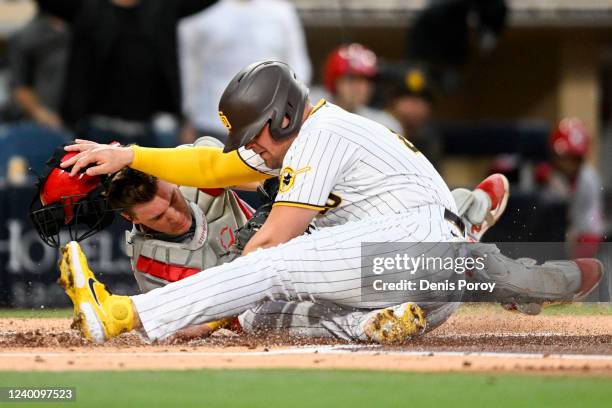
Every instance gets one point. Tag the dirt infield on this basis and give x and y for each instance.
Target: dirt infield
(487, 340)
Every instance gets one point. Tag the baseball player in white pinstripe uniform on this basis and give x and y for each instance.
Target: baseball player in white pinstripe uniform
(356, 180)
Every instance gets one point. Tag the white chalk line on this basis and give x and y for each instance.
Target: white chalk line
(356, 350)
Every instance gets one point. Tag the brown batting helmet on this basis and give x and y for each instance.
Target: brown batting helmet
(263, 92)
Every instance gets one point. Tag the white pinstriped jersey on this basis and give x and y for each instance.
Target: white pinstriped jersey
(351, 168)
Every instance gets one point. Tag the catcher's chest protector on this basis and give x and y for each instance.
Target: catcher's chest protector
(156, 263)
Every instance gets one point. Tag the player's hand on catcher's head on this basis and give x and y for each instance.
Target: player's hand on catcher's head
(105, 159)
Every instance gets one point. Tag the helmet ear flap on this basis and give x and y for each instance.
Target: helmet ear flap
(294, 109)
(279, 133)
(276, 126)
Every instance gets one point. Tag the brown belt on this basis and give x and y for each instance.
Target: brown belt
(454, 219)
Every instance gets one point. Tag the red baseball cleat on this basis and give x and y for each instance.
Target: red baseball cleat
(592, 271)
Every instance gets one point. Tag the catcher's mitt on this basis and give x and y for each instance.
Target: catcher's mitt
(266, 193)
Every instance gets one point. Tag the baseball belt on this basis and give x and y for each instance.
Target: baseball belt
(455, 220)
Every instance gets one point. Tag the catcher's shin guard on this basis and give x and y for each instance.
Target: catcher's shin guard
(98, 314)
(395, 324)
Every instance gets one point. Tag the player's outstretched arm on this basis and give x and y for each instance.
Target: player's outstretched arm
(200, 166)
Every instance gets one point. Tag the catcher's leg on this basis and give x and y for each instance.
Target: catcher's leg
(524, 281)
(303, 319)
(315, 320)
(480, 210)
(307, 319)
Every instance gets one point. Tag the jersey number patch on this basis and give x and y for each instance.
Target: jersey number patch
(333, 201)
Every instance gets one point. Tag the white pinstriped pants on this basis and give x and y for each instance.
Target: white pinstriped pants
(324, 266)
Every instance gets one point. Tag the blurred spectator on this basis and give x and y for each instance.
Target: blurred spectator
(4, 87)
(409, 97)
(510, 165)
(570, 176)
(349, 74)
(220, 41)
(122, 66)
(37, 61)
(440, 34)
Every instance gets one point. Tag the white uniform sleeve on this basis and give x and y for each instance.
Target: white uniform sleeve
(253, 160)
(312, 168)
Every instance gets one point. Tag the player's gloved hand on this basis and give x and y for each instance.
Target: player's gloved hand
(246, 232)
(266, 194)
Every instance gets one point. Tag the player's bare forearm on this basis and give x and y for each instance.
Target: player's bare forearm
(283, 224)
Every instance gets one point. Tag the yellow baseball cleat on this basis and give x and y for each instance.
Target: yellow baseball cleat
(98, 314)
(395, 324)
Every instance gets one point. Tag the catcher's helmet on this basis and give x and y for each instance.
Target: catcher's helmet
(76, 204)
(263, 92)
(570, 138)
(353, 59)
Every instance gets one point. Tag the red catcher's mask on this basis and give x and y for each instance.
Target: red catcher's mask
(75, 204)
